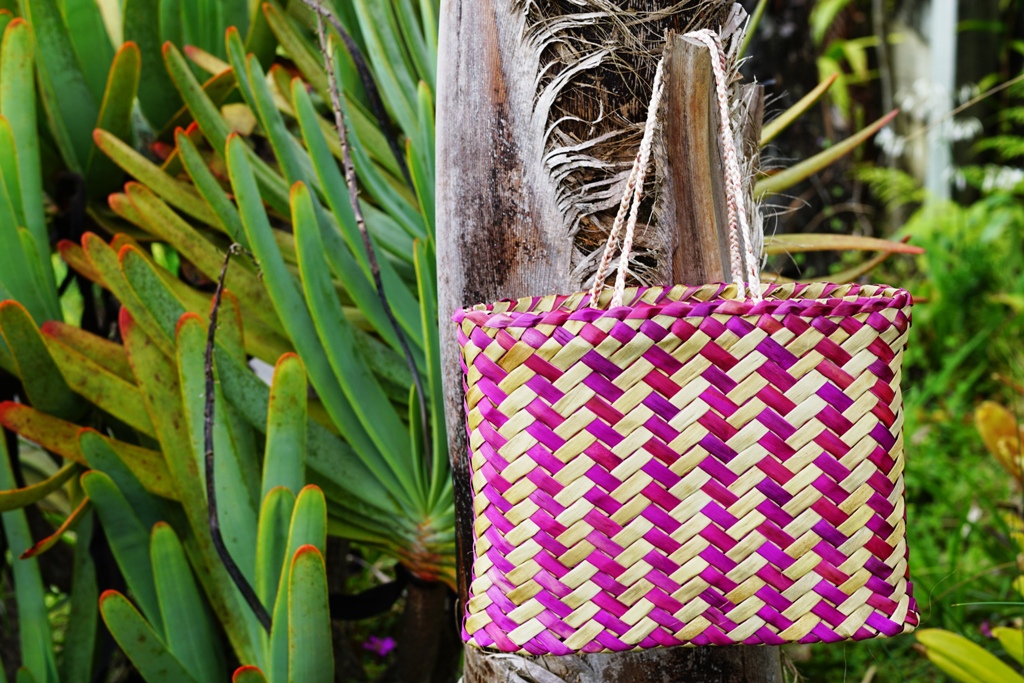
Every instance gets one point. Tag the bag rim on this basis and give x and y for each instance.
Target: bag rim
(679, 301)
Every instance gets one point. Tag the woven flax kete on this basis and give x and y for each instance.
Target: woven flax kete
(687, 469)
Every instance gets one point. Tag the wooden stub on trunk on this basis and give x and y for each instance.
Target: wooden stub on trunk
(693, 209)
(500, 236)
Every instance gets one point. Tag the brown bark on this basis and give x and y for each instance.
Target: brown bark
(503, 233)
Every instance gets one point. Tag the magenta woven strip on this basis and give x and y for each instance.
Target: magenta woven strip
(687, 469)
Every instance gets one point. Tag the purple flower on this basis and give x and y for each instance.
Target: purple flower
(379, 646)
(986, 629)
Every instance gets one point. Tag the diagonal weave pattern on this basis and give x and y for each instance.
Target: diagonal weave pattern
(687, 469)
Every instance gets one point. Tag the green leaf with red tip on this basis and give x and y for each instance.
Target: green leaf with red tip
(794, 174)
(75, 256)
(157, 95)
(180, 195)
(216, 88)
(45, 544)
(105, 262)
(169, 227)
(188, 626)
(284, 462)
(115, 117)
(37, 653)
(107, 354)
(137, 639)
(308, 528)
(61, 437)
(14, 499)
(44, 385)
(69, 103)
(129, 540)
(272, 542)
(99, 386)
(310, 655)
(248, 674)
(18, 107)
(210, 63)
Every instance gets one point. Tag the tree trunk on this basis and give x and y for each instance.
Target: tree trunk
(538, 121)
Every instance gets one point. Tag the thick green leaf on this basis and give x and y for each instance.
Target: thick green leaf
(10, 182)
(272, 542)
(105, 262)
(364, 393)
(295, 315)
(157, 96)
(109, 355)
(33, 620)
(390, 67)
(217, 88)
(90, 41)
(227, 215)
(215, 128)
(101, 387)
(23, 276)
(129, 540)
(180, 195)
(781, 122)
(284, 463)
(102, 175)
(158, 379)
(961, 658)
(80, 639)
(248, 674)
(1012, 640)
(69, 103)
(61, 437)
(364, 292)
(238, 511)
(791, 176)
(310, 655)
(802, 242)
(169, 227)
(188, 625)
(18, 107)
(14, 499)
(308, 528)
(41, 378)
(100, 455)
(140, 642)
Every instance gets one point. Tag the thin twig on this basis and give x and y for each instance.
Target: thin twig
(353, 194)
(262, 615)
(369, 85)
(966, 105)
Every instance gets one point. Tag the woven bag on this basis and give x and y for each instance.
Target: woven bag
(687, 465)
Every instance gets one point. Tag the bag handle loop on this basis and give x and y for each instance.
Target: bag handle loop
(741, 250)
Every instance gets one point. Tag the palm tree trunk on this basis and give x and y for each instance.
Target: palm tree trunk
(540, 103)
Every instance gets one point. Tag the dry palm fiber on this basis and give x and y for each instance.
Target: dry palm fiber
(687, 469)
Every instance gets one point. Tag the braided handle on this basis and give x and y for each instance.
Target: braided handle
(741, 249)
